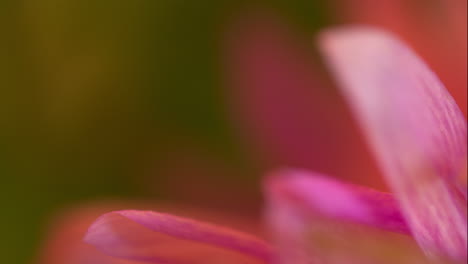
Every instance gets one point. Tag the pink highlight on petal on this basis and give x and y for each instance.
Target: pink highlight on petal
(414, 127)
(164, 238)
(63, 237)
(63, 242)
(315, 219)
(332, 198)
(437, 30)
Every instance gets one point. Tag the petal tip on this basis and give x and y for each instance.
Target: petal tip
(413, 125)
(354, 34)
(95, 232)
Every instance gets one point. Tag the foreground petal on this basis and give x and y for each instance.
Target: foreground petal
(437, 30)
(345, 202)
(415, 128)
(63, 237)
(163, 238)
(319, 220)
(63, 240)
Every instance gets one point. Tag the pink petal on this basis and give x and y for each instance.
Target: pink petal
(338, 200)
(63, 237)
(436, 29)
(63, 240)
(163, 238)
(415, 128)
(320, 220)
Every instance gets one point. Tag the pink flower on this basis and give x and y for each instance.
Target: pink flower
(418, 136)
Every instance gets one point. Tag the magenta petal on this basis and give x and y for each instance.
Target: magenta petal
(344, 202)
(162, 238)
(415, 128)
(316, 219)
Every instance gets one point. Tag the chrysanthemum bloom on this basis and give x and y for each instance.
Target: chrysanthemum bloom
(418, 136)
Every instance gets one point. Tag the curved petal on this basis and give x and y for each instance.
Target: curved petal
(437, 30)
(63, 240)
(415, 128)
(163, 238)
(63, 237)
(320, 220)
(345, 202)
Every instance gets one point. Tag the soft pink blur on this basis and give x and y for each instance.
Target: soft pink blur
(64, 242)
(289, 113)
(287, 110)
(437, 30)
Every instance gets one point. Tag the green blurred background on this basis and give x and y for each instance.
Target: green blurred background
(95, 94)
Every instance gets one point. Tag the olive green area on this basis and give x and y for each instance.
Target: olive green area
(92, 92)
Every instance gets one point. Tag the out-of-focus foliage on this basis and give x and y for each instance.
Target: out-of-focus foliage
(95, 95)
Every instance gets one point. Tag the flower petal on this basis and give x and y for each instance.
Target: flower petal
(63, 235)
(345, 202)
(63, 242)
(319, 220)
(436, 29)
(415, 128)
(163, 238)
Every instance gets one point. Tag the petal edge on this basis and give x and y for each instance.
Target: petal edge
(164, 238)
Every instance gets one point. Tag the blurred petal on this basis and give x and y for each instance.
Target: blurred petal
(415, 128)
(318, 220)
(437, 30)
(338, 200)
(163, 238)
(63, 240)
(285, 106)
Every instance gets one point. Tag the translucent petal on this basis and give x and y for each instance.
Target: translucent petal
(319, 220)
(414, 127)
(163, 238)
